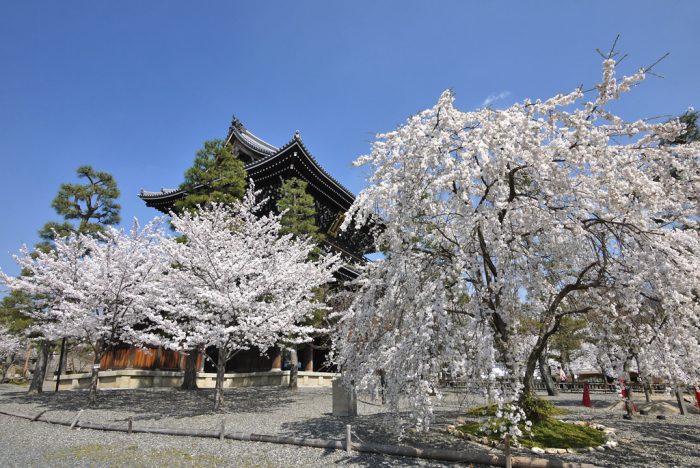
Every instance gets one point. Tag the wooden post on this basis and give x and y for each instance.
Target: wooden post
(75, 420)
(309, 358)
(26, 360)
(681, 401)
(222, 431)
(130, 425)
(348, 439)
(276, 359)
(509, 459)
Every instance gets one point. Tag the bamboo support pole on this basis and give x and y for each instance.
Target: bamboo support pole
(75, 420)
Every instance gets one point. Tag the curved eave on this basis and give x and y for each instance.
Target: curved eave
(305, 165)
(253, 143)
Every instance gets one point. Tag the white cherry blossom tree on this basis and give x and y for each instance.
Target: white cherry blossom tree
(237, 283)
(498, 223)
(10, 344)
(102, 290)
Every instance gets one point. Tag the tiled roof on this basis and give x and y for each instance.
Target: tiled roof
(268, 154)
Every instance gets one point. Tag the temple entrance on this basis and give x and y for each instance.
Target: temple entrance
(244, 361)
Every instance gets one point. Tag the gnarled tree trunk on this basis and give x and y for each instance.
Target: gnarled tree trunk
(294, 369)
(42, 360)
(546, 374)
(189, 381)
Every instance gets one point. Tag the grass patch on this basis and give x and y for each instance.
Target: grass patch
(548, 433)
(486, 410)
(129, 456)
(490, 411)
(557, 434)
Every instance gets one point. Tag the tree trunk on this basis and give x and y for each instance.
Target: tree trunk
(294, 369)
(95, 377)
(42, 361)
(220, 370)
(530, 373)
(647, 395)
(629, 405)
(643, 380)
(5, 366)
(189, 381)
(546, 374)
(382, 383)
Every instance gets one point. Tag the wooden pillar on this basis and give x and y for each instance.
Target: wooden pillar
(200, 359)
(276, 359)
(159, 353)
(308, 359)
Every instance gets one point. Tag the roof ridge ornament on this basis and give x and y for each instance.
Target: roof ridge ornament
(297, 135)
(236, 123)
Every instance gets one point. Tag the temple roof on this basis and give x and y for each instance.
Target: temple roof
(267, 161)
(238, 131)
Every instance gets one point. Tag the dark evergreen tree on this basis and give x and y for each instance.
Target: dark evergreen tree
(565, 345)
(11, 316)
(300, 211)
(216, 176)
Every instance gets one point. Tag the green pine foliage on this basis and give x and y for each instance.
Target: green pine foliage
(86, 207)
(92, 204)
(216, 176)
(566, 343)
(299, 216)
(11, 316)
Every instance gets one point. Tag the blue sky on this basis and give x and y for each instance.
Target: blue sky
(134, 87)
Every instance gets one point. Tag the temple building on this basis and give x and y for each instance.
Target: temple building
(268, 166)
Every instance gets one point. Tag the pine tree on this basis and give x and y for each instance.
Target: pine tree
(216, 176)
(300, 212)
(92, 205)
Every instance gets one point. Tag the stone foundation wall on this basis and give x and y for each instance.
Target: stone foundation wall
(135, 378)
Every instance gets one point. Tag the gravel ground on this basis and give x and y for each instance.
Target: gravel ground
(263, 410)
(644, 441)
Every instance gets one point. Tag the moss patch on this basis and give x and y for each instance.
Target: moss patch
(549, 433)
(486, 410)
(490, 411)
(131, 455)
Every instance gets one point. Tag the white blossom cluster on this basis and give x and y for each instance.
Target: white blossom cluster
(9, 344)
(495, 224)
(237, 283)
(230, 281)
(101, 290)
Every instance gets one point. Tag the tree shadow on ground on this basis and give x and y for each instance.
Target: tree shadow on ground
(650, 443)
(159, 403)
(382, 428)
